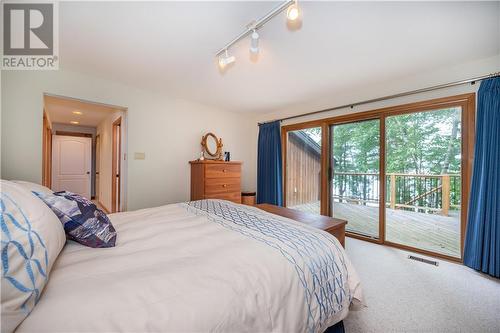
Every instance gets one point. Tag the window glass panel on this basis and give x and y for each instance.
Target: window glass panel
(303, 170)
(423, 180)
(356, 176)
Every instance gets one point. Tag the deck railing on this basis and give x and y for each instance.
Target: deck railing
(436, 194)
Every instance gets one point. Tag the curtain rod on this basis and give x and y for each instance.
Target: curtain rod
(407, 93)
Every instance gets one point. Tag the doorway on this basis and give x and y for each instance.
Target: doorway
(88, 143)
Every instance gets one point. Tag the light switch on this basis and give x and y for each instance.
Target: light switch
(139, 156)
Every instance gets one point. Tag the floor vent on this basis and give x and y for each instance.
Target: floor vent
(427, 261)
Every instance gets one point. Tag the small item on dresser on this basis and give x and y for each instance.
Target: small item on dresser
(212, 147)
(248, 198)
(227, 156)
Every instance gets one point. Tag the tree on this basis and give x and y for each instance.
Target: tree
(425, 143)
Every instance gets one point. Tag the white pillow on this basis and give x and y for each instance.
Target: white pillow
(33, 186)
(32, 238)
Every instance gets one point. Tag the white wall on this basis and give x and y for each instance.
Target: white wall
(167, 130)
(375, 90)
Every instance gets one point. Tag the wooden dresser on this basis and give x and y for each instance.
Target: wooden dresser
(216, 180)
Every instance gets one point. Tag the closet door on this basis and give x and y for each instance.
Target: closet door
(72, 159)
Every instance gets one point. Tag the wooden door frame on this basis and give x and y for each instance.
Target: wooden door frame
(46, 152)
(76, 134)
(97, 166)
(324, 162)
(467, 103)
(116, 164)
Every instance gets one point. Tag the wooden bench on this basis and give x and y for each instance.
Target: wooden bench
(334, 226)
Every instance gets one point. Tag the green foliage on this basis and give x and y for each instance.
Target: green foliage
(422, 143)
(356, 147)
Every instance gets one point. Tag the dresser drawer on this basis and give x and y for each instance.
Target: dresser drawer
(222, 185)
(222, 170)
(230, 196)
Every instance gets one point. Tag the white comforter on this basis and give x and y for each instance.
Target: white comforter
(212, 266)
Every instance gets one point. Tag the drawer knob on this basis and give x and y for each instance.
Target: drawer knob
(224, 170)
(224, 185)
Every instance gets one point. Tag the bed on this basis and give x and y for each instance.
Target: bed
(200, 266)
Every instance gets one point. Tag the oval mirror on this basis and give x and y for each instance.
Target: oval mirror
(212, 146)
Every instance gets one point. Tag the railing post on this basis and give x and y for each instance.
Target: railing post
(445, 195)
(393, 192)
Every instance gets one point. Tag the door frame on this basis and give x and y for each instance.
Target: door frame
(97, 168)
(324, 162)
(467, 102)
(46, 151)
(116, 165)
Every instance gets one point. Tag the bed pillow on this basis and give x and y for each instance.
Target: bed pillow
(82, 220)
(32, 187)
(32, 238)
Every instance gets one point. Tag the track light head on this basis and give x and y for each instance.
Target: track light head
(293, 12)
(225, 59)
(254, 42)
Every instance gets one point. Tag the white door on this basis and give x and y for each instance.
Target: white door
(71, 161)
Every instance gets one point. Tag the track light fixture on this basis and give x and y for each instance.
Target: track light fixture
(225, 59)
(292, 13)
(254, 42)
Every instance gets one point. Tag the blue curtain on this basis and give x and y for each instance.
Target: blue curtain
(269, 164)
(482, 242)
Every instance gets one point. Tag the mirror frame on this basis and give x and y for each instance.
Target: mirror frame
(217, 155)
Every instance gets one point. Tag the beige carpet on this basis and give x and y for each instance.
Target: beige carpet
(408, 296)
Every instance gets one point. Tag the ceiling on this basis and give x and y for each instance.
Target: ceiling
(60, 110)
(169, 47)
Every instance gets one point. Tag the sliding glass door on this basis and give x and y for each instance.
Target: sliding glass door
(355, 179)
(399, 175)
(423, 180)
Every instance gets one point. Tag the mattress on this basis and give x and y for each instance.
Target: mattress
(207, 265)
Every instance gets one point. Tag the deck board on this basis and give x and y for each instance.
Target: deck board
(431, 232)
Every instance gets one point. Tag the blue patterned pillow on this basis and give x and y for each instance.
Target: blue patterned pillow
(83, 221)
(32, 238)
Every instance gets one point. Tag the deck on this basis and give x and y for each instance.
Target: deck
(431, 232)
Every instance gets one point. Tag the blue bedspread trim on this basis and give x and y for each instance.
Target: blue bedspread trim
(316, 256)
